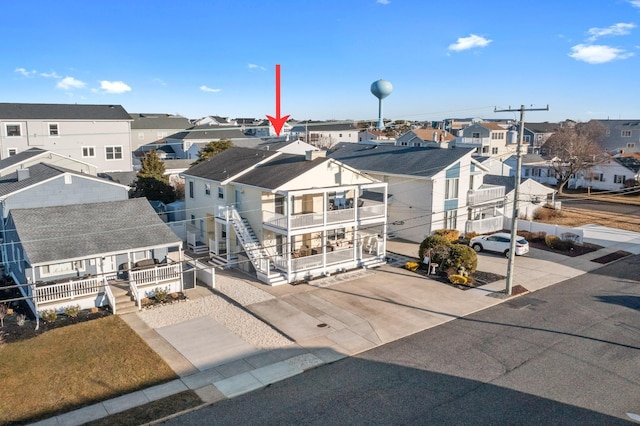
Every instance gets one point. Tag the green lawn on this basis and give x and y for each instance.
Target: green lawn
(70, 367)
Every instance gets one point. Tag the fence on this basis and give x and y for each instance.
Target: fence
(573, 234)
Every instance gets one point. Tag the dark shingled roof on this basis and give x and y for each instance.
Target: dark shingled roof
(210, 133)
(509, 182)
(159, 121)
(228, 163)
(37, 173)
(52, 234)
(20, 157)
(9, 111)
(279, 171)
(399, 160)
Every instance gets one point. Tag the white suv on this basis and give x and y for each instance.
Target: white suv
(499, 242)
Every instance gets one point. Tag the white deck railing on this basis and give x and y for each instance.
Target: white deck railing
(311, 220)
(484, 226)
(68, 290)
(109, 294)
(156, 275)
(485, 195)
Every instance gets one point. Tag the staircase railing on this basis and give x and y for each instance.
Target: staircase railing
(257, 254)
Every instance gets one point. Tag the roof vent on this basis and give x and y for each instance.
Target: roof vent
(22, 174)
(312, 155)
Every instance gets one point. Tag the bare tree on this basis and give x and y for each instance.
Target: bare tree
(575, 149)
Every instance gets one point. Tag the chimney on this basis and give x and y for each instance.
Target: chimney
(312, 155)
(22, 174)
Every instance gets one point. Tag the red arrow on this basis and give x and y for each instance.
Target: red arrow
(278, 121)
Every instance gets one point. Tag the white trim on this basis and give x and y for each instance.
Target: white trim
(83, 267)
(49, 154)
(6, 130)
(9, 154)
(78, 175)
(106, 155)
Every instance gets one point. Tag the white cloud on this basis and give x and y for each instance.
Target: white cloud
(383, 1)
(69, 83)
(24, 72)
(113, 87)
(635, 3)
(208, 89)
(256, 67)
(470, 42)
(160, 81)
(598, 54)
(620, 28)
(51, 74)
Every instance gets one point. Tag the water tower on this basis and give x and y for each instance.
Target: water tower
(381, 89)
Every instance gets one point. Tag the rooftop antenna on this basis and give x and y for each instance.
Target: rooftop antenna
(381, 89)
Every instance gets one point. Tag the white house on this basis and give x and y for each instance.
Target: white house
(284, 217)
(429, 188)
(489, 139)
(532, 195)
(96, 134)
(325, 134)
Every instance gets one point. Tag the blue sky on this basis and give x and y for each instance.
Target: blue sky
(217, 57)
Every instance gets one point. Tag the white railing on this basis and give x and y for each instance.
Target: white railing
(374, 210)
(343, 215)
(110, 297)
(485, 195)
(156, 275)
(191, 240)
(316, 260)
(135, 292)
(483, 226)
(67, 290)
(340, 256)
(222, 212)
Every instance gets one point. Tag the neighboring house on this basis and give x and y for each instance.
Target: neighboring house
(489, 139)
(80, 254)
(610, 176)
(372, 135)
(632, 163)
(183, 142)
(426, 138)
(284, 217)
(264, 129)
(534, 166)
(44, 185)
(429, 188)
(174, 169)
(151, 129)
(325, 134)
(496, 166)
(215, 120)
(621, 136)
(536, 134)
(532, 195)
(33, 156)
(96, 134)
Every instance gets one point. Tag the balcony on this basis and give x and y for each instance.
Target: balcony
(314, 220)
(487, 195)
(485, 226)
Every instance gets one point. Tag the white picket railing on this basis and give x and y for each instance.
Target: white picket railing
(156, 275)
(68, 290)
(109, 294)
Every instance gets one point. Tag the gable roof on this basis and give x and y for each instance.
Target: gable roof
(158, 121)
(210, 133)
(631, 162)
(20, 157)
(279, 170)
(427, 134)
(324, 126)
(491, 125)
(545, 127)
(51, 234)
(14, 111)
(229, 163)
(400, 160)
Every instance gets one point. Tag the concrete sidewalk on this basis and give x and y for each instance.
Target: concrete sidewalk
(332, 318)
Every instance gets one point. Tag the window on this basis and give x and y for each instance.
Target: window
(114, 152)
(62, 268)
(618, 179)
(88, 152)
(279, 204)
(494, 150)
(631, 145)
(404, 144)
(220, 193)
(526, 138)
(450, 219)
(416, 144)
(340, 135)
(475, 135)
(526, 172)
(193, 219)
(451, 188)
(598, 176)
(626, 133)
(207, 189)
(336, 234)
(14, 130)
(53, 129)
(190, 189)
(498, 135)
(12, 151)
(485, 149)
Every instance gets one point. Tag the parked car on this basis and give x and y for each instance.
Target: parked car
(499, 242)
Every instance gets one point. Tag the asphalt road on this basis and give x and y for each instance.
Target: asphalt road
(567, 354)
(604, 206)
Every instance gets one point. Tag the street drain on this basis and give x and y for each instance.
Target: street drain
(322, 325)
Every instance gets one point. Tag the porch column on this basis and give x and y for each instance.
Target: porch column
(324, 250)
(181, 259)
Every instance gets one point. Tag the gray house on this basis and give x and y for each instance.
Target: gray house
(44, 185)
(151, 129)
(95, 134)
(622, 136)
(79, 254)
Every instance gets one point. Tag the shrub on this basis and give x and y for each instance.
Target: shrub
(436, 247)
(175, 295)
(48, 315)
(470, 235)
(94, 310)
(554, 242)
(462, 256)
(450, 235)
(161, 294)
(72, 311)
(457, 279)
(546, 213)
(145, 301)
(412, 266)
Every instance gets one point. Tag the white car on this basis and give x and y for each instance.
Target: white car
(499, 242)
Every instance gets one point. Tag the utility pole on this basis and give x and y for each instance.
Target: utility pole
(516, 193)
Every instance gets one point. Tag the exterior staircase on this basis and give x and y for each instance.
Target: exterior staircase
(124, 302)
(255, 251)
